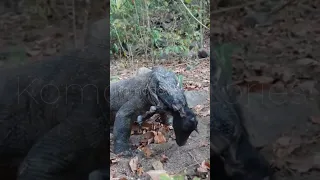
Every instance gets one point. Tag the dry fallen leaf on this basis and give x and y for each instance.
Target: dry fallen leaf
(135, 129)
(134, 164)
(164, 158)
(159, 138)
(149, 136)
(140, 171)
(205, 164)
(147, 125)
(147, 152)
(164, 129)
(204, 167)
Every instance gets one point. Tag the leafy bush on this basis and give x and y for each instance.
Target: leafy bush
(158, 27)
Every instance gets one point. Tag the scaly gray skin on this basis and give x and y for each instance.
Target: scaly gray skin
(47, 123)
(134, 96)
(235, 157)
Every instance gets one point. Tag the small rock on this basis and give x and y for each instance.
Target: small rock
(157, 165)
(202, 53)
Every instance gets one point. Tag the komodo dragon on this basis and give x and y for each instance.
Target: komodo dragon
(132, 97)
(232, 154)
(54, 113)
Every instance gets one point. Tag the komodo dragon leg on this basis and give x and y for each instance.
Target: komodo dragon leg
(123, 122)
(71, 150)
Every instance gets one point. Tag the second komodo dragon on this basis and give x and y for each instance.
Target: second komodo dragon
(233, 155)
(132, 97)
(54, 112)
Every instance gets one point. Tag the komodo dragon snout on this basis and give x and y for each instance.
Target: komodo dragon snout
(183, 127)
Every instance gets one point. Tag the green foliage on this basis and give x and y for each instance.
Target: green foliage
(167, 177)
(114, 78)
(157, 27)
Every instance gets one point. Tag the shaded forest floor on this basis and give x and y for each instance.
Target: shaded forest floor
(278, 52)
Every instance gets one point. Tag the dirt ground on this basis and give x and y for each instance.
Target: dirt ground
(278, 51)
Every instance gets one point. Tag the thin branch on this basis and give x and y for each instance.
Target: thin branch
(192, 15)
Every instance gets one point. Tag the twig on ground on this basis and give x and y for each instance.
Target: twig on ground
(191, 165)
(193, 158)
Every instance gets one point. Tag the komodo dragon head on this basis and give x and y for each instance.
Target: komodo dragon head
(183, 127)
(165, 89)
